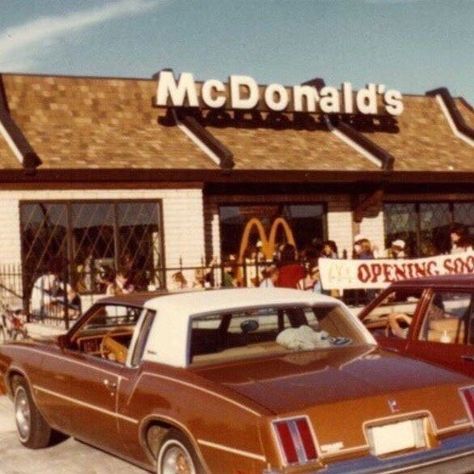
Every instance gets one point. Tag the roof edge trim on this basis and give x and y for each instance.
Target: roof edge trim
(207, 142)
(14, 137)
(350, 136)
(363, 145)
(453, 116)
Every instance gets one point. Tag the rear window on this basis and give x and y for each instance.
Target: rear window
(270, 330)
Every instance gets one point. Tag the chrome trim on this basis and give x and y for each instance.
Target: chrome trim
(228, 449)
(86, 405)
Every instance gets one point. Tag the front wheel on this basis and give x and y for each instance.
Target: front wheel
(33, 430)
(177, 456)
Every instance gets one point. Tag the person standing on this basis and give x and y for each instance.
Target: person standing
(290, 271)
(397, 249)
(460, 240)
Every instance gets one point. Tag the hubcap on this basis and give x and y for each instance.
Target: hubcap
(22, 414)
(177, 460)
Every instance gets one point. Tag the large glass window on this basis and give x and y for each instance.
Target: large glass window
(305, 223)
(425, 226)
(92, 239)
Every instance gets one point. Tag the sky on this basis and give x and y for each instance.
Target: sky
(409, 45)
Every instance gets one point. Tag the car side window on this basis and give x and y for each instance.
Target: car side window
(142, 337)
(393, 315)
(448, 318)
(108, 331)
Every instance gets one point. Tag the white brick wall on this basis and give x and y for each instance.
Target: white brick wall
(182, 217)
(339, 220)
(373, 229)
(10, 249)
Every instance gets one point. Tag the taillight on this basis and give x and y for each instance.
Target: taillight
(467, 394)
(295, 440)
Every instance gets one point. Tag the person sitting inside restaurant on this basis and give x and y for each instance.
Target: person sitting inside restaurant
(120, 284)
(50, 297)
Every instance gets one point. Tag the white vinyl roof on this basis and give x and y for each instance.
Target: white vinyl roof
(169, 336)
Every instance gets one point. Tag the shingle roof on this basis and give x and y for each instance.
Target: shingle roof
(7, 158)
(425, 141)
(97, 123)
(89, 123)
(290, 149)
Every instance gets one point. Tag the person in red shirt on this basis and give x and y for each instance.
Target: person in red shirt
(290, 271)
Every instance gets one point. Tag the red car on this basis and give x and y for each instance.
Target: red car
(428, 318)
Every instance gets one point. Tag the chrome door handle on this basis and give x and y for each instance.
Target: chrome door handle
(468, 358)
(110, 385)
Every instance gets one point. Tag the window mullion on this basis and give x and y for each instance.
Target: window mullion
(116, 236)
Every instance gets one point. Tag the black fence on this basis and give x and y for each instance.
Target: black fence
(59, 298)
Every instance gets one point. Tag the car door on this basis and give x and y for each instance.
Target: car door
(81, 389)
(445, 334)
(80, 394)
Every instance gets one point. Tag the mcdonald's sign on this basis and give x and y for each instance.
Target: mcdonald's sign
(268, 242)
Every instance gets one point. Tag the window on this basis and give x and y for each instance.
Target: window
(266, 331)
(92, 239)
(425, 226)
(108, 332)
(447, 318)
(306, 222)
(142, 337)
(394, 313)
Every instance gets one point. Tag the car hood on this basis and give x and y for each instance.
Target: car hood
(300, 380)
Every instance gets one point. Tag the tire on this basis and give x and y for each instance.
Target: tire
(176, 455)
(32, 429)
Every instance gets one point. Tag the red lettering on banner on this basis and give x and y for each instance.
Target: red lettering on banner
(400, 272)
(388, 272)
(470, 264)
(459, 265)
(363, 273)
(376, 271)
(432, 270)
(420, 269)
(448, 265)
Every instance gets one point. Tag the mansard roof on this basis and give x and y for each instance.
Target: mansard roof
(58, 123)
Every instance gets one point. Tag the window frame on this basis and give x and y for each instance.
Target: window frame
(417, 204)
(68, 203)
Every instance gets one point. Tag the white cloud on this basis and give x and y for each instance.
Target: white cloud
(21, 45)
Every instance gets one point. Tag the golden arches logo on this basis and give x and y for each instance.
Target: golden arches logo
(268, 244)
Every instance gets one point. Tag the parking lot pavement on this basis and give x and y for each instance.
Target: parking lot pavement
(68, 457)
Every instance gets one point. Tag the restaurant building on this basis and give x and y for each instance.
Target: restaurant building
(101, 170)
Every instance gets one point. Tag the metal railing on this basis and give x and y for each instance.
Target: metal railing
(16, 287)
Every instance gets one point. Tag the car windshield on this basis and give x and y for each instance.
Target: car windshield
(271, 330)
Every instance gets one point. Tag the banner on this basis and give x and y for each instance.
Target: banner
(359, 274)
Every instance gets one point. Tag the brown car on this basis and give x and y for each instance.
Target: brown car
(429, 318)
(239, 381)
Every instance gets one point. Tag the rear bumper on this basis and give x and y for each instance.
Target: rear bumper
(454, 455)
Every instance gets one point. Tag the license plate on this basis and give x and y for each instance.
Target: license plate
(399, 436)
